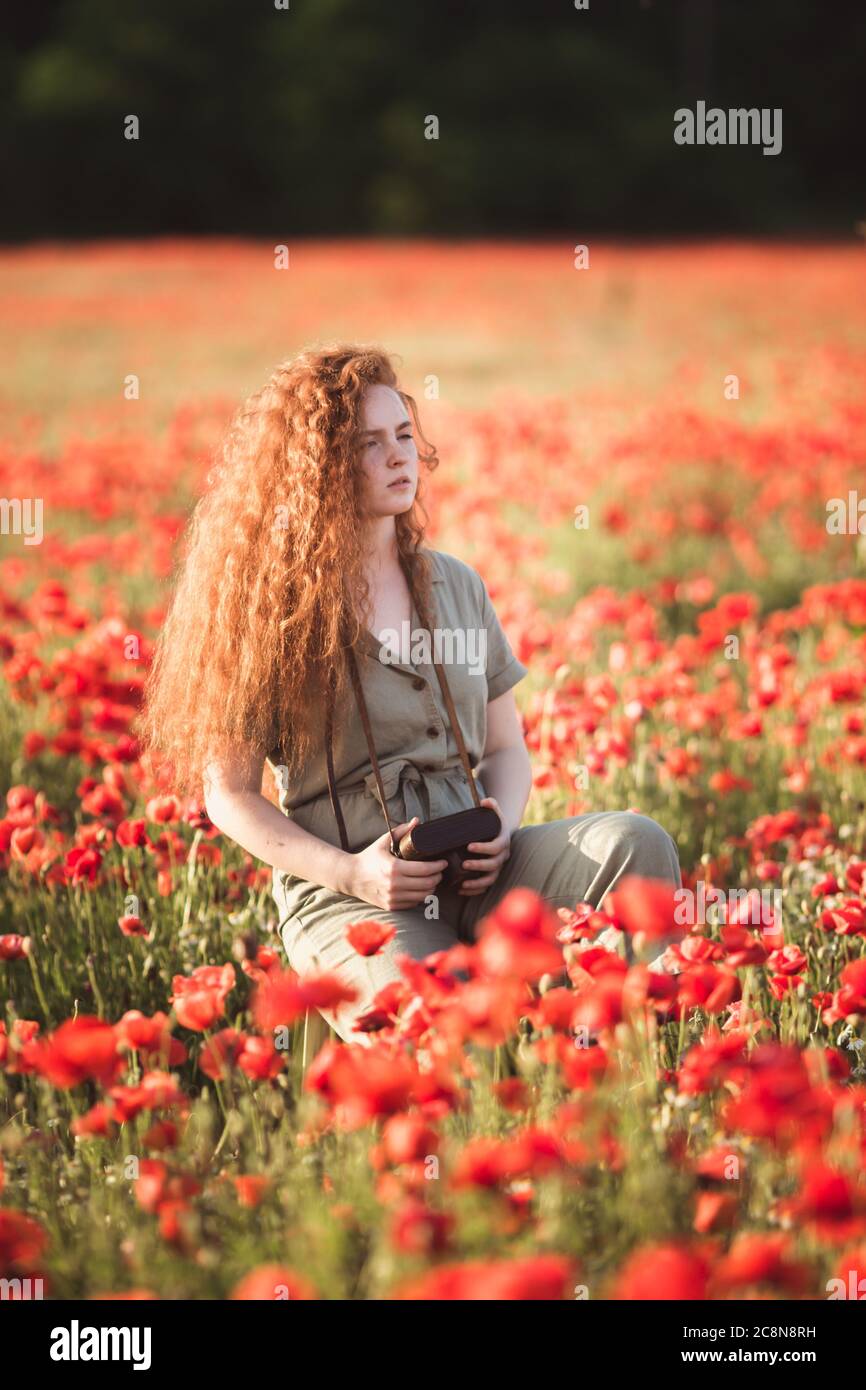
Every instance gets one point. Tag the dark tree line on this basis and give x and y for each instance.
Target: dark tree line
(310, 119)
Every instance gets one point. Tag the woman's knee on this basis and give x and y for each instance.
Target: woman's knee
(634, 842)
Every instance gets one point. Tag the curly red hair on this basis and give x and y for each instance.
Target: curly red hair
(270, 586)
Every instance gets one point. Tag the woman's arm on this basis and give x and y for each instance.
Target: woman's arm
(234, 802)
(506, 773)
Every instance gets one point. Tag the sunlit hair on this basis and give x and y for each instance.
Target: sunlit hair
(270, 584)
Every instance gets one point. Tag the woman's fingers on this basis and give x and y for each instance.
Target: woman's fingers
(477, 885)
(418, 890)
(498, 846)
(486, 865)
(414, 899)
(420, 868)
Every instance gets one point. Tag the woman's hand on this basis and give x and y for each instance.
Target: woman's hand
(379, 878)
(492, 854)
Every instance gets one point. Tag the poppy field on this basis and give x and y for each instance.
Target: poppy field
(656, 464)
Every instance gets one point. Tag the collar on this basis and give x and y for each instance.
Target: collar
(436, 575)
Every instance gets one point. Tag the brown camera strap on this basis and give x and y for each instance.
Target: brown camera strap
(329, 759)
(458, 732)
(368, 735)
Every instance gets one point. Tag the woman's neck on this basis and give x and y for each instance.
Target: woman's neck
(382, 551)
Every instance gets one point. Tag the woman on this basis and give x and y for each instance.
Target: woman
(305, 552)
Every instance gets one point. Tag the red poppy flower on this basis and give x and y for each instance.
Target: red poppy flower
(156, 1091)
(707, 987)
(644, 988)
(82, 1049)
(742, 947)
(364, 1087)
(22, 1242)
(847, 918)
(260, 1059)
(715, 1211)
(600, 1006)
(199, 999)
(644, 906)
(712, 1061)
(582, 1067)
(831, 1202)
(417, 1229)
(756, 1259)
(220, 1053)
(156, 1184)
(132, 834)
(583, 924)
(282, 998)
(726, 782)
(555, 1009)
(163, 809)
(14, 947)
(781, 985)
(512, 1093)
(850, 1276)
(664, 1272)
(776, 1101)
(101, 1120)
(826, 887)
(408, 1138)
(484, 1011)
(721, 1164)
(265, 964)
(852, 987)
(502, 955)
(22, 840)
(538, 1277)
(523, 913)
(82, 866)
(251, 1188)
(368, 937)
(161, 1135)
(131, 925)
(174, 1226)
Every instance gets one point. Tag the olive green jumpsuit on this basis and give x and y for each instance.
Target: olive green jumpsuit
(575, 859)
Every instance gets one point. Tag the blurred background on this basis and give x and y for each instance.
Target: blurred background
(309, 120)
(141, 300)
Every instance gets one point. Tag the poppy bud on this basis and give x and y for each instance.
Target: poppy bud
(245, 946)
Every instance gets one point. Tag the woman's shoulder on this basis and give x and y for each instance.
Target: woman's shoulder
(449, 569)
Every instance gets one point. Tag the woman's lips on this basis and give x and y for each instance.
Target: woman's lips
(401, 482)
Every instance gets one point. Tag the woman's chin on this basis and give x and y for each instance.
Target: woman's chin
(402, 502)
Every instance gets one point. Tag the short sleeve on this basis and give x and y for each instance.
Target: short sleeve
(503, 668)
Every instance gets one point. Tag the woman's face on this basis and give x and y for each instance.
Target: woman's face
(389, 458)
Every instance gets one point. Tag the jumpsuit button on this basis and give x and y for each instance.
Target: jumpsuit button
(418, 683)
(432, 732)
